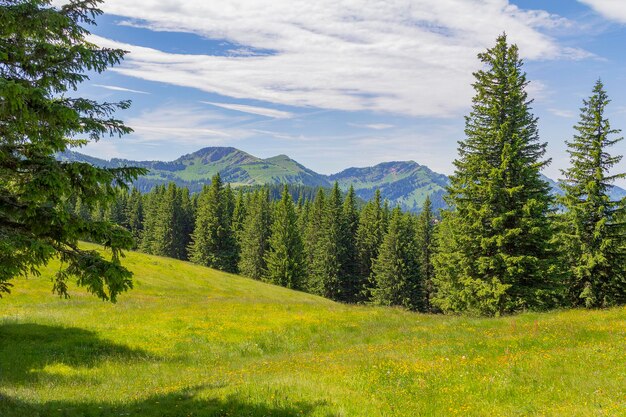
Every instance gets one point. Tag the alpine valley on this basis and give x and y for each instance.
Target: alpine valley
(403, 183)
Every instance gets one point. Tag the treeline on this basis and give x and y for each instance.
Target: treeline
(328, 243)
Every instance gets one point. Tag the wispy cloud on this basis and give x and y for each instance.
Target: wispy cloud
(116, 88)
(176, 125)
(610, 9)
(562, 113)
(374, 126)
(261, 111)
(398, 56)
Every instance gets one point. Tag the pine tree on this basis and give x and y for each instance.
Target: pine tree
(351, 285)
(285, 259)
(152, 201)
(213, 243)
(329, 253)
(425, 249)
(369, 238)
(396, 270)
(593, 238)
(134, 215)
(44, 57)
(314, 229)
(254, 237)
(501, 205)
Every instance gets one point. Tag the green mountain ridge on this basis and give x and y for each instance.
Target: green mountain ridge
(403, 183)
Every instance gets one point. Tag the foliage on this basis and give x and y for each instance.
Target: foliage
(254, 236)
(593, 237)
(500, 205)
(285, 259)
(44, 55)
(213, 242)
(425, 246)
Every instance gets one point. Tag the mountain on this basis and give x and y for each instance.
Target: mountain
(403, 183)
(196, 169)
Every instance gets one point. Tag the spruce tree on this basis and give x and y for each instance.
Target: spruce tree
(593, 237)
(152, 202)
(314, 230)
(396, 270)
(45, 55)
(213, 243)
(425, 249)
(285, 259)
(351, 285)
(134, 215)
(501, 206)
(254, 236)
(369, 237)
(329, 253)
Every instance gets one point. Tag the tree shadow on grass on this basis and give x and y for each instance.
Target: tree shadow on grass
(27, 348)
(183, 403)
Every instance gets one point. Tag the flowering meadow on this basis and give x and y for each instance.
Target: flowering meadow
(192, 341)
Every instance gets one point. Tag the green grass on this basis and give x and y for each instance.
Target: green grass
(190, 341)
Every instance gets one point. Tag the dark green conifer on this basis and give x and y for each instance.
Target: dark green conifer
(213, 243)
(593, 238)
(254, 236)
(329, 253)
(351, 285)
(369, 237)
(285, 259)
(499, 259)
(425, 248)
(396, 270)
(314, 228)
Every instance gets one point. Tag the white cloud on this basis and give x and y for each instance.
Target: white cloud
(610, 9)
(375, 126)
(173, 124)
(261, 111)
(562, 113)
(401, 56)
(116, 88)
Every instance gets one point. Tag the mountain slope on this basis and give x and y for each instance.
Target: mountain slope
(235, 166)
(404, 183)
(189, 340)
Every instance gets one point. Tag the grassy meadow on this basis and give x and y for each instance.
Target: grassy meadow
(191, 341)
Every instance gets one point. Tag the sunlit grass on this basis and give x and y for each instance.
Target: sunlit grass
(193, 341)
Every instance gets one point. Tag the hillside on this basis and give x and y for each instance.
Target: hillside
(193, 341)
(403, 183)
(195, 169)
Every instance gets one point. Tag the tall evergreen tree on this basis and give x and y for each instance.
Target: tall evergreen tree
(501, 242)
(151, 209)
(593, 237)
(351, 285)
(425, 249)
(285, 259)
(134, 215)
(314, 229)
(396, 270)
(254, 236)
(213, 243)
(369, 237)
(45, 54)
(329, 253)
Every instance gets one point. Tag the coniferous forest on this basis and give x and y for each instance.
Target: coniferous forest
(504, 245)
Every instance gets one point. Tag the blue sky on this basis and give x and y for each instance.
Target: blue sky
(335, 84)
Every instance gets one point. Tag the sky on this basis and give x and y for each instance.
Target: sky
(335, 84)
